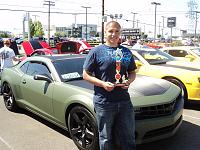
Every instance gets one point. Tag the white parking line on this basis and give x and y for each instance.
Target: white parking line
(6, 143)
(192, 117)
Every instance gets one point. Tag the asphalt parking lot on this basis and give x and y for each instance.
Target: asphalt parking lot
(25, 131)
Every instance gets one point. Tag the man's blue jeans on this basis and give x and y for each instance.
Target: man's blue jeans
(116, 123)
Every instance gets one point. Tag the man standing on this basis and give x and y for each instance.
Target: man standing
(111, 68)
(7, 55)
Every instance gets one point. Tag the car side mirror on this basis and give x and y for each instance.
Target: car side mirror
(138, 63)
(192, 58)
(42, 77)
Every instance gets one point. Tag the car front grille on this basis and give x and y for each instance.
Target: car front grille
(162, 131)
(157, 110)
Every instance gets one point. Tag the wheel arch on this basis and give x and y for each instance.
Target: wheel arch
(71, 106)
(6, 82)
(3, 84)
(168, 78)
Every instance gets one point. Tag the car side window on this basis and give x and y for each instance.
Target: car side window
(24, 67)
(135, 58)
(178, 53)
(38, 68)
(38, 53)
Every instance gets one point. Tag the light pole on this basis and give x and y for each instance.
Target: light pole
(163, 26)
(155, 3)
(86, 7)
(102, 23)
(26, 18)
(195, 30)
(29, 26)
(134, 18)
(49, 3)
(137, 23)
(159, 28)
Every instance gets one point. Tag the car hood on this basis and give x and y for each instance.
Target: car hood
(148, 86)
(192, 66)
(142, 86)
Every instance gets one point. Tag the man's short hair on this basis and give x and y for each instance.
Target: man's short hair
(113, 22)
(6, 41)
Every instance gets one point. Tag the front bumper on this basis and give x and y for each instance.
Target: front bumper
(149, 130)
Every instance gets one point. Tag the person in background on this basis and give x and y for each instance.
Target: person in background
(105, 67)
(138, 45)
(7, 55)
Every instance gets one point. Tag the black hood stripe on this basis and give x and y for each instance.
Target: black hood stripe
(181, 67)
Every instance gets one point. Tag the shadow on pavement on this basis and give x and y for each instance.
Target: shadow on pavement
(187, 138)
(45, 122)
(193, 105)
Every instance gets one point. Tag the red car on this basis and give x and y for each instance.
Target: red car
(33, 45)
(153, 45)
(65, 47)
(43, 51)
(73, 47)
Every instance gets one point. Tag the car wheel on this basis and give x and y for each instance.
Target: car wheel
(182, 86)
(83, 128)
(9, 99)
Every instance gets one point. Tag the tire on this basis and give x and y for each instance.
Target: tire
(83, 128)
(9, 98)
(182, 87)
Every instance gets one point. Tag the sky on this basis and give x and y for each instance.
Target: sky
(12, 17)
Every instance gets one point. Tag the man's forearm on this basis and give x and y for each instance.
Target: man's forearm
(131, 76)
(88, 77)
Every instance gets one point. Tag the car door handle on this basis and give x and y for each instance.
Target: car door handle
(24, 81)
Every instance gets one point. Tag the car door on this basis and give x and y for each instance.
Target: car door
(37, 93)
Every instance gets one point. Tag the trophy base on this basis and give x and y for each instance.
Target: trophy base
(120, 84)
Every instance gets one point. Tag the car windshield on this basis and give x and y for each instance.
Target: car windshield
(197, 51)
(154, 56)
(69, 69)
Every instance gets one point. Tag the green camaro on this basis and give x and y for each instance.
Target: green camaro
(52, 87)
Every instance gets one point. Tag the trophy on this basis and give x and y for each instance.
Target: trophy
(120, 80)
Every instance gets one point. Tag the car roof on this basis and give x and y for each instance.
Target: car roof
(145, 49)
(63, 56)
(179, 47)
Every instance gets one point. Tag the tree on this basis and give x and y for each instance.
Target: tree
(5, 35)
(60, 34)
(143, 35)
(32, 28)
(36, 29)
(159, 36)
